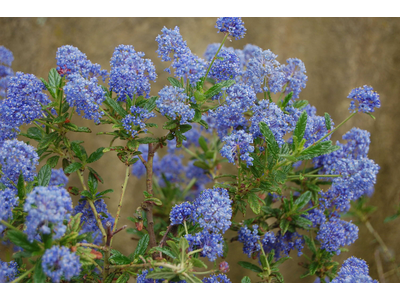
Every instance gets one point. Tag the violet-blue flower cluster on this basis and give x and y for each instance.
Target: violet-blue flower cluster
(295, 76)
(60, 263)
(232, 26)
(17, 158)
(135, 121)
(6, 59)
(354, 270)
(8, 200)
(181, 212)
(364, 99)
(88, 220)
(226, 66)
(86, 95)
(47, 208)
(172, 103)
(220, 278)
(238, 145)
(8, 271)
(58, 178)
(130, 73)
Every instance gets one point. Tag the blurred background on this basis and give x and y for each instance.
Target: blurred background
(339, 54)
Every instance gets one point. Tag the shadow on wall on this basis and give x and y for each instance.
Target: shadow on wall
(339, 54)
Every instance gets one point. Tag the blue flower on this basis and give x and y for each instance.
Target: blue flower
(86, 95)
(181, 212)
(364, 99)
(250, 240)
(6, 58)
(135, 121)
(211, 243)
(169, 168)
(70, 60)
(172, 103)
(60, 262)
(213, 210)
(233, 26)
(130, 73)
(16, 157)
(8, 200)
(88, 221)
(142, 278)
(295, 76)
(8, 271)
(220, 278)
(227, 68)
(283, 244)
(238, 142)
(58, 178)
(24, 101)
(354, 270)
(47, 208)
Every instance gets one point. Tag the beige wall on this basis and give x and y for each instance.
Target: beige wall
(339, 54)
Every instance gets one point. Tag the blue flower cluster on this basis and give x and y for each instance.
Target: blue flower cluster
(135, 121)
(226, 66)
(6, 59)
(220, 278)
(130, 73)
(142, 278)
(169, 167)
(58, 178)
(8, 200)
(358, 172)
(172, 103)
(238, 142)
(25, 98)
(354, 270)
(336, 233)
(16, 157)
(181, 212)
(283, 244)
(8, 271)
(295, 76)
(211, 243)
(187, 65)
(88, 221)
(47, 208)
(232, 26)
(70, 60)
(364, 99)
(60, 262)
(85, 95)
(250, 240)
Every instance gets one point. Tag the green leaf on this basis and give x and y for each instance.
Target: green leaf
(250, 266)
(49, 88)
(184, 128)
(2, 186)
(47, 140)
(197, 116)
(272, 145)
(201, 165)
(92, 183)
(150, 104)
(20, 239)
(286, 100)
(60, 119)
(53, 161)
(281, 260)
(197, 263)
(34, 133)
(119, 259)
(105, 192)
(142, 245)
(391, 218)
(203, 144)
(166, 251)
(161, 274)
(175, 82)
(328, 121)
(123, 278)
(115, 106)
(21, 187)
(284, 225)
(73, 168)
(87, 194)
(317, 150)
(79, 151)
(147, 140)
(300, 104)
(246, 279)
(96, 155)
(171, 124)
(254, 203)
(216, 89)
(38, 275)
(302, 200)
(313, 267)
(301, 126)
(44, 176)
(54, 78)
(99, 178)
(310, 244)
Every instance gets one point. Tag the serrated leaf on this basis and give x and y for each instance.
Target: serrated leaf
(286, 100)
(142, 246)
(44, 176)
(53, 161)
(54, 78)
(313, 267)
(217, 88)
(79, 151)
(115, 106)
(165, 250)
(317, 150)
(250, 266)
(246, 279)
(310, 244)
(119, 259)
(281, 261)
(302, 200)
(272, 145)
(328, 123)
(73, 167)
(284, 225)
(254, 203)
(150, 104)
(175, 82)
(171, 124)
(92, 183)
(34, 133)
(300, 104)
(123, 278)
(147, 140)
(301, 126)
(96, 155)
(20, 239)
(49, 88)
